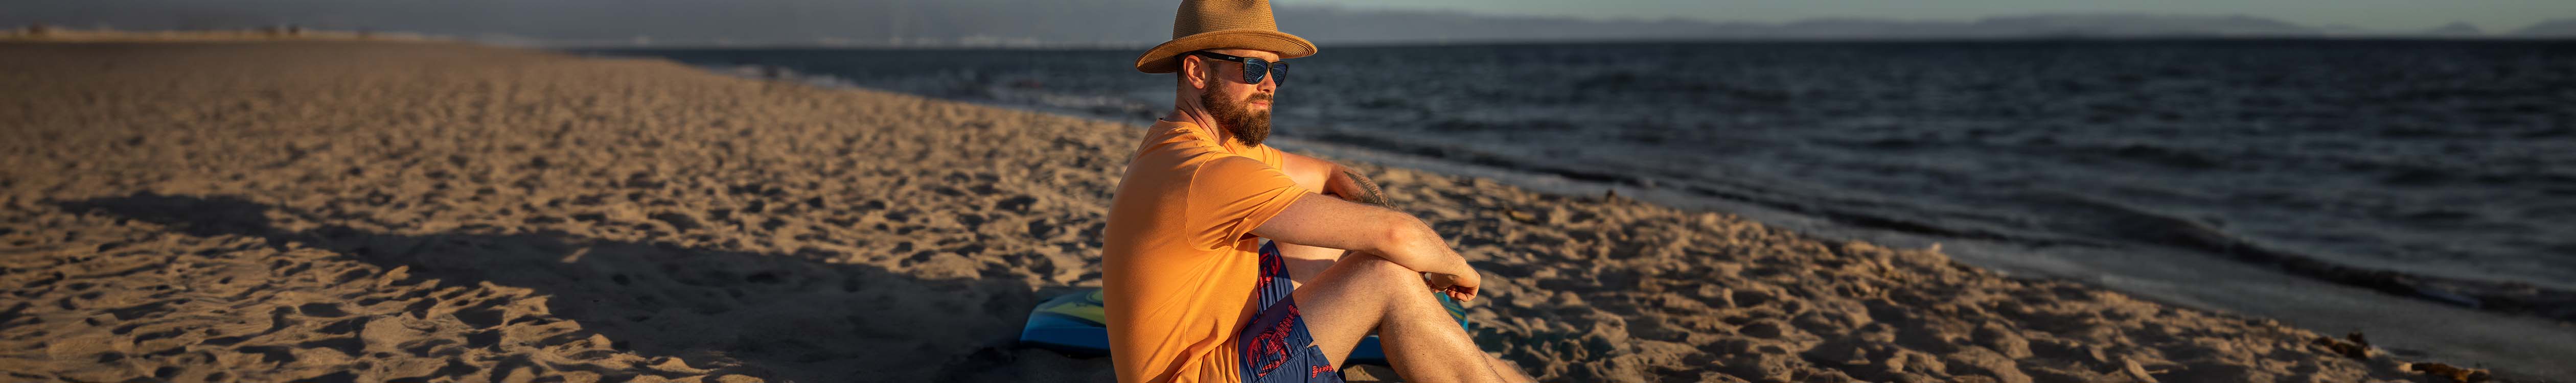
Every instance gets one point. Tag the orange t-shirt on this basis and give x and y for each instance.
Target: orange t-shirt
(1179, 259)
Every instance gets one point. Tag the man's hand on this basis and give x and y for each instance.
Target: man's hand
(1350, 185)
(1461, 287)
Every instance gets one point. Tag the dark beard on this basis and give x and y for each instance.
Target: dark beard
(1248, 127)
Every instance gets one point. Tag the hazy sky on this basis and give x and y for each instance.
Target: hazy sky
(2491, 15)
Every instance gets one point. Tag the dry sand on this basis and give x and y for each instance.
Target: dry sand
(339, 211)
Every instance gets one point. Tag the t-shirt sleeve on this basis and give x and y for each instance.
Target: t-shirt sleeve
(1271, 155)
(1230, 196)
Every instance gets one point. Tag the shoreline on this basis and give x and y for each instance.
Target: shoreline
(427, 210)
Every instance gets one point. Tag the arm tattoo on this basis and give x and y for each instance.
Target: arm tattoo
(1369, 192)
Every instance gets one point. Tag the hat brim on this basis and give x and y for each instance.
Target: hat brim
(1160, 59)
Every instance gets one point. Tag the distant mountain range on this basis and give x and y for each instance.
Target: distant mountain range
(2454, 29)
(1099, 23)
(2563, 28)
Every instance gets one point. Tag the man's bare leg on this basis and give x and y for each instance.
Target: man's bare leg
(1511, 372)
(1362, 293)
(1305, 262)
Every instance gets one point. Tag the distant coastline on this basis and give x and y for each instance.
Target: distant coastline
(41, 32)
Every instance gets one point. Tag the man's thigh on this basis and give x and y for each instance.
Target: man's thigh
(1351, 298)
(1306, 262)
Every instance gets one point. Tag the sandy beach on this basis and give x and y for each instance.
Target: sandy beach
(428, 211)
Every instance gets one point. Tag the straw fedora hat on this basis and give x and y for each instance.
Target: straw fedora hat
(1215, 24)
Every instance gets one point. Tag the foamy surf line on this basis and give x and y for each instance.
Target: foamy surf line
(2165, 259)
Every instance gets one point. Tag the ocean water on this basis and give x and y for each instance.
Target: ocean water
(2443, 170)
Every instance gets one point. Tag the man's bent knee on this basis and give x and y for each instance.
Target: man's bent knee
(1377, 276)
(1377, 270)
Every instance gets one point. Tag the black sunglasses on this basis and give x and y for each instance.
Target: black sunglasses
(1253, 68)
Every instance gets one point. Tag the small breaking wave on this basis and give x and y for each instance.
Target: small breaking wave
(2148, 227)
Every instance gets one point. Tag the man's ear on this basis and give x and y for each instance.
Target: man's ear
(1190, 74)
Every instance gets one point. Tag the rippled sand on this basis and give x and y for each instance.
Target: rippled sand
(345, 211)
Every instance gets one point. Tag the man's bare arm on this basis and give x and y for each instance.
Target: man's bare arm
(1317, 220)
(1334, 179)
(1309, 171)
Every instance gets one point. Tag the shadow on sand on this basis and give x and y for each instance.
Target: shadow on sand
(794, 316)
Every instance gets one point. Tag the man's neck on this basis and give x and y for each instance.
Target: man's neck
(1196, 116)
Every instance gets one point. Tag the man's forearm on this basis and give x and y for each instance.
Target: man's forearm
(1413, 245)
(1362, 190)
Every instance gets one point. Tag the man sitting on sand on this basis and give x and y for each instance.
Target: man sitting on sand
(1191, 294)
